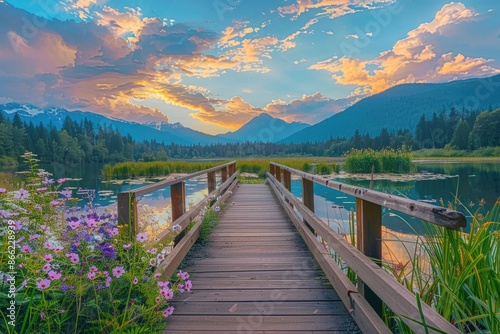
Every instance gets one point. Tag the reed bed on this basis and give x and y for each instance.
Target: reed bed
(383, 161)
(259, 167)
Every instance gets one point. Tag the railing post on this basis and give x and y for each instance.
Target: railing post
(308, 194)
(272, 169)
(127, 212)
(308, 198)
(369, 242)
(287, 180)
(232, 169)
(223, 173)
(277, 170)
(212, 184)
(178, 201)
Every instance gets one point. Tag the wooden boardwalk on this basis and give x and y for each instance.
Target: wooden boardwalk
(256, 275)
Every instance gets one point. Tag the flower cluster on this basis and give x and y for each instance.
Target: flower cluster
(76, 266)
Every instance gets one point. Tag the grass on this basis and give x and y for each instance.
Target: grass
(210, 221)
(457, 273)
(439, 153)
(254, 166)
(383, 161)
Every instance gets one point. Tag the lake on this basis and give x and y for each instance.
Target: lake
(436, 182)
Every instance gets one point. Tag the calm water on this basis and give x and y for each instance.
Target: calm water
(471, 182)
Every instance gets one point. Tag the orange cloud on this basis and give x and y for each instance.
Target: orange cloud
(412, 59)
(249, 55)
(232, 113)
(122, 23)
(463, 65)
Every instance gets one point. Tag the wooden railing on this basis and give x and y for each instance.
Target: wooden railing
(375, 285)
(127, 210)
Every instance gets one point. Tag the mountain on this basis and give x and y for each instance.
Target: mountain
(402, 106)
(161, 132)
(264, 128)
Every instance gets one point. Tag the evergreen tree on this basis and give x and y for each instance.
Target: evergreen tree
(460, 136)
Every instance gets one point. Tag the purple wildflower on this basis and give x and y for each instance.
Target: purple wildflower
(183, 275)
(142, 237)
(43, 284)
(67, 193)
(3, 190)
(54, 275)
(47, 257)
(118, 271)
(168, 312)
(22, 194)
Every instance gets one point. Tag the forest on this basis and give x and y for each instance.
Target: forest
(83, 142)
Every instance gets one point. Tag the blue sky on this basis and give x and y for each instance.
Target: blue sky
(215, 64)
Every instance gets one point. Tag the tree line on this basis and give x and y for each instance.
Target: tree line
(82, 142)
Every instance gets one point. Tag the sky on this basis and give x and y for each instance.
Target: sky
(213, 65)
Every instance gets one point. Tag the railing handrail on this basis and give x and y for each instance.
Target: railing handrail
(166, 183)
(428, 212)
(395, 295)
(127, 200)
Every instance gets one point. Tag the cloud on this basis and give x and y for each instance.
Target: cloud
(85, 66)
(249, 57)
(329, 8)
(463, 65)
(232, 113)
(288, 43)
(308, 109)
(420, 57)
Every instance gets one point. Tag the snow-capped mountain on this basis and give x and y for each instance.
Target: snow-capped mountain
(161, 132)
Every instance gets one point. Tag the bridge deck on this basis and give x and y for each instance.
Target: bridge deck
(256, 275)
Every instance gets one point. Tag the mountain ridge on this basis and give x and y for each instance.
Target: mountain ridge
(401, 107)
(264, 128)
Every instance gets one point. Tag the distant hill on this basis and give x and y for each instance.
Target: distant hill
(161, 132)
(264, 128)
(402, 106)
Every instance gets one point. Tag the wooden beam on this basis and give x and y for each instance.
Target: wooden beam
(364, 315)
(428, 212)
(211, 179)
(127, 213)
(308, 194)
(277, 170)
(272, 169)
(287, 180)
(369, 242)
(223, 173)
(232, 168)
(394, 295)
(178, 202)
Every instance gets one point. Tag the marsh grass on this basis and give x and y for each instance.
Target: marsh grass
(383, 161)
(457, 273)
(255, 166)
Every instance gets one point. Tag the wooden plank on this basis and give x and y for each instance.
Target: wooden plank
(245, 308)
(255, 258)
(256, 275)
(260, 322)
(235, 295)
